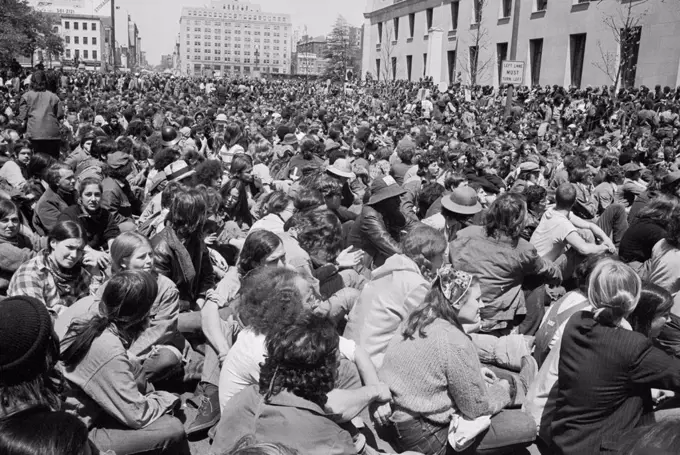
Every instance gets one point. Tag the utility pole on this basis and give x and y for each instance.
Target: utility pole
(513, 53)
(113, 34)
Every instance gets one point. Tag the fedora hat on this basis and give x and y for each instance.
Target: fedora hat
(384, 188)
(462, 200)
(290, 139)
(177, 171)
(342, 168)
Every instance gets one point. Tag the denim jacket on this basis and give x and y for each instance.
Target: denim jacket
(500, 266)
(104, 383)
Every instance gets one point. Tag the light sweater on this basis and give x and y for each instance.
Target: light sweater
(438, 375)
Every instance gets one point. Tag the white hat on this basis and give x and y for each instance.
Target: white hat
(342, 168)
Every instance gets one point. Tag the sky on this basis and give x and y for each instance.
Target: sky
(158, 20)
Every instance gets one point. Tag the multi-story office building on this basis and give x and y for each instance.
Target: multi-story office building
(311, 56)
(234, 38)
(84, 41)
(563, 42)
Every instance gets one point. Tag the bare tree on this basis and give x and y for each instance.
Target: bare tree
(387, 49)
(470, 62)
(620, 64)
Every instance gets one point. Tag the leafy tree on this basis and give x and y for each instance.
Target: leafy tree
(341, 51)
(23, 30)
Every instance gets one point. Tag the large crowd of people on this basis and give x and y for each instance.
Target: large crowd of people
(382, 267)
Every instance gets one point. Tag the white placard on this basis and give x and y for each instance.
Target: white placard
(512, 72)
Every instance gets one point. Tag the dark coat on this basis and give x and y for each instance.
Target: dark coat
(605, 377)
(375, 236)
(187, 265)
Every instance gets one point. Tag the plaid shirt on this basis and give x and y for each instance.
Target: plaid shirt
(34, 279)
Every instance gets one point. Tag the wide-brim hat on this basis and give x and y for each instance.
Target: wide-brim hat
(462, 200)
(671, 178)
(178, 170)
(384, 188)
(290, 139)
(342, 168)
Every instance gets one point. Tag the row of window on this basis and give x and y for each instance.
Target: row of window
(76, 40)
(248, 17)
(85, 54)
(227, 68)
(76, 25)
(629, 51)
(218, 24)
(218, 43)
(505, 12)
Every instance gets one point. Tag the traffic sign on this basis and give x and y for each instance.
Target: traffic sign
(512, 72)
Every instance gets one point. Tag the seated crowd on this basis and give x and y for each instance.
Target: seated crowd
(321, 275)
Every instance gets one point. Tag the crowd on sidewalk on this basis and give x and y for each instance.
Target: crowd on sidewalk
(383, 267)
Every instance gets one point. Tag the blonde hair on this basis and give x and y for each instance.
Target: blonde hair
(613, 290)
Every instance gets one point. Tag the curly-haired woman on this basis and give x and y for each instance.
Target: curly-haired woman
(272, 299)
(396, 288)
(288, 406)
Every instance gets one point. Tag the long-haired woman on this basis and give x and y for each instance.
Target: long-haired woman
(55, 276)
(103, 381)
(180, 252)
(396, 288)
(434, 373)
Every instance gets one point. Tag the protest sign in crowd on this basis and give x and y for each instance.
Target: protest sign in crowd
(386, 267)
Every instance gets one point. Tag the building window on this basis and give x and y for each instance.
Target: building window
(541, 5)
(506, 6)
(377, 68)
(477, 11)
(84, 39)
(84, 25)
(94, 40)
(77, 54)
(409, 66)
(380, 27)
(577, 48)
(68, 53)
(535, 56)
(451, 62)
(68, 39)
(411, 24)
(424, 64)
(75, 25)
(396, 28)
(76, 40)
(85, 54)
(455, 8)
(67, 25)
(428, 15)
(501, 56)
(94, 26)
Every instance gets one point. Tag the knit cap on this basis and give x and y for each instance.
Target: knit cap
(25, 335)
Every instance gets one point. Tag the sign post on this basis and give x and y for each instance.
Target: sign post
(512, 73)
